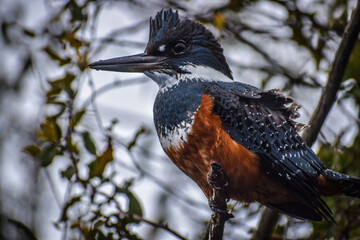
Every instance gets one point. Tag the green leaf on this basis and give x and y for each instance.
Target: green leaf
(97, 166)
(47, 155)
(50, 130)
(68, 172)
(76, 12)
(53, 91)
(77, 117)
(88, 143)
(33, 150)
(63, 82)
(64, 217)
(134, 204)
(54, 56)
(70, 92)
(59, 85)
(219, 20)
(72, 147)
(72, 40)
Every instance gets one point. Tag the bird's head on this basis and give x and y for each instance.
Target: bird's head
(176, 47)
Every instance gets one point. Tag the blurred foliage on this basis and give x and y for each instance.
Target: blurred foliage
(92, 213)
(346, 211)
(60, 135)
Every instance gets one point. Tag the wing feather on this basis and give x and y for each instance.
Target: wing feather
(262, 121)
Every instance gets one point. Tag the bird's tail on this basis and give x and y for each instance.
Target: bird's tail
(348, 185)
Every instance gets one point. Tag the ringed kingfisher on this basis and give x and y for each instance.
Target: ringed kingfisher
(202, 115)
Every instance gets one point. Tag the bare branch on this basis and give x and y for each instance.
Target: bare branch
(217, 202)
(267, 223)
(52, 187)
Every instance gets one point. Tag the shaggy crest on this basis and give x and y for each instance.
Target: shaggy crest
(167, 28)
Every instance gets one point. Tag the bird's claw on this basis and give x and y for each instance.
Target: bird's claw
(216, 177)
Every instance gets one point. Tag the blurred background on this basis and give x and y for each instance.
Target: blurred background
(79, 156)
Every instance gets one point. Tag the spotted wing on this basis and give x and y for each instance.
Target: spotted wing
(262, 122)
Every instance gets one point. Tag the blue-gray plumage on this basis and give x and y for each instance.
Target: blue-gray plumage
(176, 105)
(201, 115)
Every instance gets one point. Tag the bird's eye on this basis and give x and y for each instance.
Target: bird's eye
(179, 48)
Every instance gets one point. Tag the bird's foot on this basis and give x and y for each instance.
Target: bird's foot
(216, 177)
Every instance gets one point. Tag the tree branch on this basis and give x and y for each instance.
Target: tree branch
(267, 224)
(217, 202)
(327, 100)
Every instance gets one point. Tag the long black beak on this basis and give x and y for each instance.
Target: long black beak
(134, 63)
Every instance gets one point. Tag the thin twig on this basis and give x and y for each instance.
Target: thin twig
(140, 218)
(169, 189)
(154, 224)
(111, 86)
(94, 106)
(119, 32)
(68, 139)
(52, 187)
(66, 198)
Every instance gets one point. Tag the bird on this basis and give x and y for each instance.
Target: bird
(202, 115)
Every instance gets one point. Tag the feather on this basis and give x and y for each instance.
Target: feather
(268, 118)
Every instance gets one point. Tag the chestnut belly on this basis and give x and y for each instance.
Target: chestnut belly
(204, 142)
